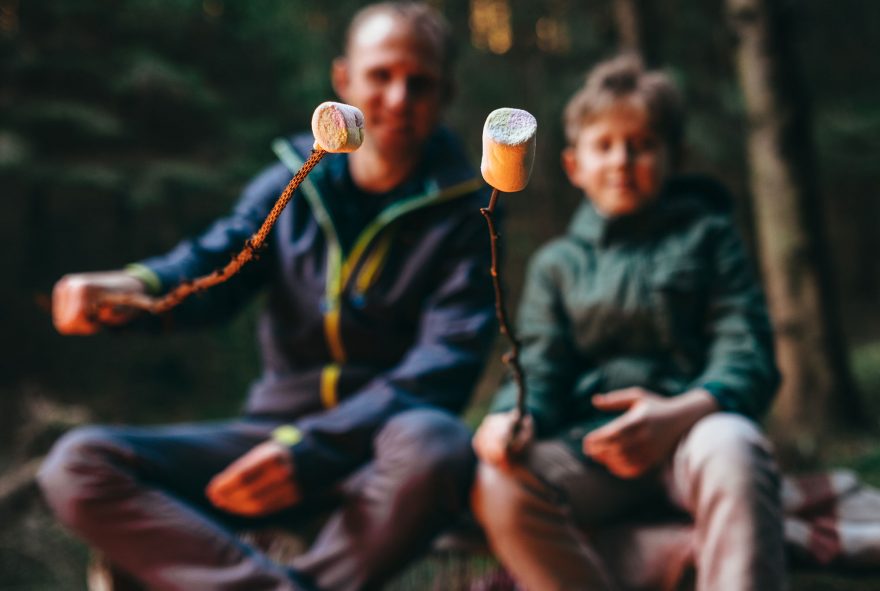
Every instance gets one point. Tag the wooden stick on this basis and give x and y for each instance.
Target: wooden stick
(251, 247)
(511, 358)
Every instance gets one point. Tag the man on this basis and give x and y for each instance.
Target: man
(378, 317)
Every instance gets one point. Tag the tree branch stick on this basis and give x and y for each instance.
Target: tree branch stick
(249, 252)
(511, 358)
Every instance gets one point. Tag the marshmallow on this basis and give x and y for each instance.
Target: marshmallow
(508, 149)
(338, 127)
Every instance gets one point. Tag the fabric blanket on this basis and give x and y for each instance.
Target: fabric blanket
(832, 520)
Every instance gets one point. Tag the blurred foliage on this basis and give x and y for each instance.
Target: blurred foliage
(127, 124)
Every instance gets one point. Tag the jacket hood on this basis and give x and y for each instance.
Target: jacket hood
(444, 163)
(681, 199)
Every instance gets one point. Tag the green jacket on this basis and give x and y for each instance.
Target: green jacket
(663, 299)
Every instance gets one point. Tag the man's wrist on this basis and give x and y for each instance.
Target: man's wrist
(286, 435)
(148, 278)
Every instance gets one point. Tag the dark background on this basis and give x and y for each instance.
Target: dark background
(128, 124)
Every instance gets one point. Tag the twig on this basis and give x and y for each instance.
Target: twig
(510, 358)
(251, 247)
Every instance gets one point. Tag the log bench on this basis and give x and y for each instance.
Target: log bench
(460, 561)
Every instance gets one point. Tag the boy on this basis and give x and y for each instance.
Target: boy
(648, 356)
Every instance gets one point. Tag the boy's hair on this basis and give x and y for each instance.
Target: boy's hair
(424, 19)
(621, 78)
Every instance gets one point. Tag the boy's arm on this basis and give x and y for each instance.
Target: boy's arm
(646, 434)
(740, 371)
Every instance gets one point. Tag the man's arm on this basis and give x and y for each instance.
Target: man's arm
(76, 298)
(213, 249)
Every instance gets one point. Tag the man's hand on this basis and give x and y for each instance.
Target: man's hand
(492, 442)
(75, 299)
(258, 483)
(646, 434)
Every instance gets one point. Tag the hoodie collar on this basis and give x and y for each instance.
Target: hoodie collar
(590, 225)
(681, 198)
(443, 166)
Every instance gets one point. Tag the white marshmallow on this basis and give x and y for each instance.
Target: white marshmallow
(508, 149)
(338, 127)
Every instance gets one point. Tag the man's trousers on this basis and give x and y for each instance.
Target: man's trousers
(138, 495)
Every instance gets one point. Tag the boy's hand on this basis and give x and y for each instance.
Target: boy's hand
(492, 440)
(258, 483)
(646, 434)
(75, 298)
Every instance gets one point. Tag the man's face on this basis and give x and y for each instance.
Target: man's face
(618, 161)
(397, 80)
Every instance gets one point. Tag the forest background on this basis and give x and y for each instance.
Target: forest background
(126, 125)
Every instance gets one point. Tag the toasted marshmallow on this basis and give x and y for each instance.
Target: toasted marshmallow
(338, 127)
(508, 149)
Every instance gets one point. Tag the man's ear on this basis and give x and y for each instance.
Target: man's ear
(339, 77)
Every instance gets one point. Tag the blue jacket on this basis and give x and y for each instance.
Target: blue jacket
(352, 334)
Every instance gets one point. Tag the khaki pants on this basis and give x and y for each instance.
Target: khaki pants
(546, 518)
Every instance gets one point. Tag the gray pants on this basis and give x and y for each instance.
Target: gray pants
(539, 516)
(137, 494)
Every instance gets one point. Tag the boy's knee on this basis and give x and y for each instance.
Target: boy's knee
(498, 501)
(728, 451)
(727, 437)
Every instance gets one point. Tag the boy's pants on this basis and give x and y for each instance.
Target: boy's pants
(137, 494)
(538, 516)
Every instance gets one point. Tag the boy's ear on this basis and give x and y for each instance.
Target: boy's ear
(569, 165)
(339, 77)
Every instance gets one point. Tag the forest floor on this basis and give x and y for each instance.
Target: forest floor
(36, 554)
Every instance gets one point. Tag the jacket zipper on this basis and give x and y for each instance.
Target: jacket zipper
(340, 271)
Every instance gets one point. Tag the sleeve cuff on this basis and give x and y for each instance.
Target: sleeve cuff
(146, 275)
(287, 435)
(726, 400)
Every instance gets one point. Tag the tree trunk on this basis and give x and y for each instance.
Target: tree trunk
(817, 390)
(637, 28)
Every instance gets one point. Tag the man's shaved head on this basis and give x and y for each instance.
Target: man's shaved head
(424, 20)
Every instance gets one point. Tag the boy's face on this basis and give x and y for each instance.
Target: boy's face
(618, 161)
